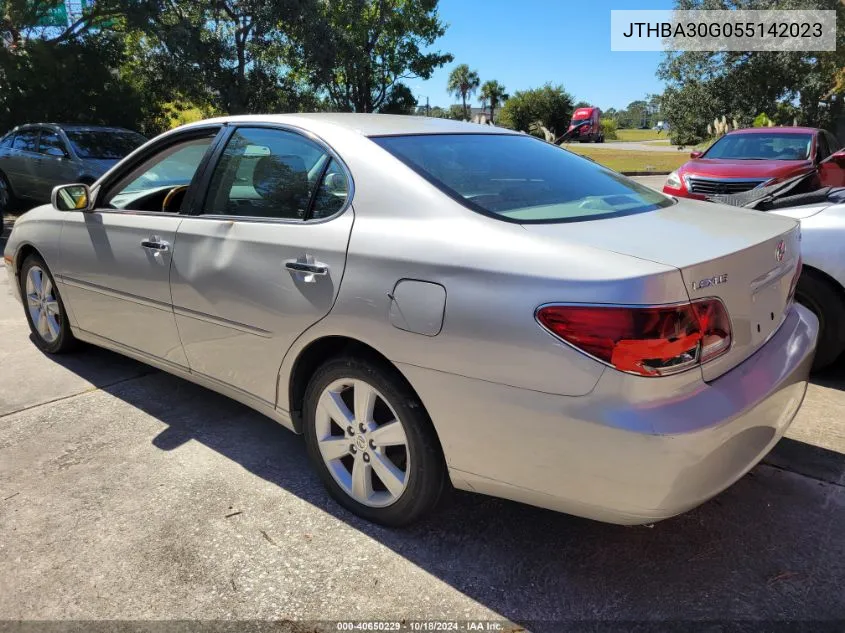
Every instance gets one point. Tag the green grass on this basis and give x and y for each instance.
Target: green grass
(640, 135)
(624, 160)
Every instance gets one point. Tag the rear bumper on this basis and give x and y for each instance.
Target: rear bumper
(627, 452)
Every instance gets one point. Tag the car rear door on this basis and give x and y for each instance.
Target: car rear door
(115, 261)
(262, 257)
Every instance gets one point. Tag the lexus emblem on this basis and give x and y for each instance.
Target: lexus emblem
(780, 251)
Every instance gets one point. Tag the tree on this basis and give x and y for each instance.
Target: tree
(67, 73)
(494, 93)
(358, 52)
(635, 115)
(550, 105)
(462, 83)
(740, 85)
(400, 101)
(582, 104)
(232, 54)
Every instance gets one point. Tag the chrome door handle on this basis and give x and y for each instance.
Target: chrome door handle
(308, 268)
(155, 244)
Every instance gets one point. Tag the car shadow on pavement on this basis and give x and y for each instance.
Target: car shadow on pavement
(768, 548)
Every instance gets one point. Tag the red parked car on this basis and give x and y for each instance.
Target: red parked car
(588, 122)
(745, 159)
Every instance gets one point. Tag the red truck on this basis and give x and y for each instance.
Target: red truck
(588, 124)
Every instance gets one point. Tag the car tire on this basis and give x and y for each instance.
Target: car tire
(824, 300)
(8, 201)
(44, 308)
(385, 474)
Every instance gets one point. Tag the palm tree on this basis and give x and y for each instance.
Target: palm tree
(463, 82)
(494, 93)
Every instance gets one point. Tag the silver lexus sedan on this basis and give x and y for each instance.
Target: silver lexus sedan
(434, 304)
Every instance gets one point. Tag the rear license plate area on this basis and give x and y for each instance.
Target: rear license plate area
(767, 308)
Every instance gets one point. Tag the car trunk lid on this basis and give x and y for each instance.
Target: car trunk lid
(745, 258)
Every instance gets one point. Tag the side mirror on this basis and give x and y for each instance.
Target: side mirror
(71, 198)
(55, 151)
(696, 153)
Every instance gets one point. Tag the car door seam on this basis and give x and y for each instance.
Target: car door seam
(293, 343)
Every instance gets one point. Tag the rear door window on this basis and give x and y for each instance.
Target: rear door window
(26, 141)
(51, 143)
(273, 173)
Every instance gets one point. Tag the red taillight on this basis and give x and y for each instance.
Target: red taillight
(650, 341)
(794, 285)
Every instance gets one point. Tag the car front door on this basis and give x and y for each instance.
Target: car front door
(262, 257)
(115, 260)
(55, 166)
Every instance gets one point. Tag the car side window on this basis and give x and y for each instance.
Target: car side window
(267, 173)
(832, 142)
(51, 144)
(26, 140)
(7, 141)
(332, 192)
(160, 182)
(822, 150)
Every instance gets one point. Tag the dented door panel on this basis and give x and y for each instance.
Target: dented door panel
(238, 307)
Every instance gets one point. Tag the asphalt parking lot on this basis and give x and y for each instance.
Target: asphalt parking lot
(126, 493)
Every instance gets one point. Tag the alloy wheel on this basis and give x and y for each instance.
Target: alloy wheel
(362, 442)
(43, 305)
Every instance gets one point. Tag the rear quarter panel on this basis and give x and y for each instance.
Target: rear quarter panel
(495, 275)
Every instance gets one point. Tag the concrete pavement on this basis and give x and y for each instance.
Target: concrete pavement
(126, 493)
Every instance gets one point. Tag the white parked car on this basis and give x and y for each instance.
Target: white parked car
(817, 200)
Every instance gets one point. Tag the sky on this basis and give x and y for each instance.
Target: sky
(526, 43)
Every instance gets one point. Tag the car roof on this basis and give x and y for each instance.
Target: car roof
(778, 129)
(72, 127)
(366, 124)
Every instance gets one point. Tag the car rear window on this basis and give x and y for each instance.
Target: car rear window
(104, 144)
(762, 146)
(521, 179)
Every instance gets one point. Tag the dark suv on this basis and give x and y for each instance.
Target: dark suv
(35, 158)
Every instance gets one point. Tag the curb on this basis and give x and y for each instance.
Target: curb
(645, 173)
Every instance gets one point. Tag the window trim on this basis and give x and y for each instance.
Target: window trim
(217, 154)
(147, 151)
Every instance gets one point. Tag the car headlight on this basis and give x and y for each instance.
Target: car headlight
(673, 180)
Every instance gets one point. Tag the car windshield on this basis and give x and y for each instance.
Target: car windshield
(519, 178)
(762, 146)
(104, 144)
(586, 118)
